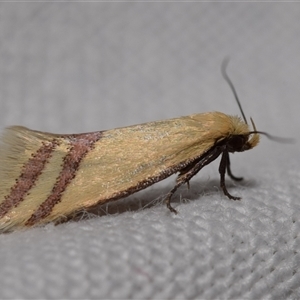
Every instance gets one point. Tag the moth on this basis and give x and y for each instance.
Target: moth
(46, 177)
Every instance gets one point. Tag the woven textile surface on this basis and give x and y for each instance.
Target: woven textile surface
(70, 67)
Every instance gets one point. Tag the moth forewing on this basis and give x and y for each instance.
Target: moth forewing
(145, 154)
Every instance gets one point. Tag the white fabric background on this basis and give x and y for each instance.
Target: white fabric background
(77, 67)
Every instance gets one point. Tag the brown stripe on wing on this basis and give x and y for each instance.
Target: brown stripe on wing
(81, 144)
(30, 173)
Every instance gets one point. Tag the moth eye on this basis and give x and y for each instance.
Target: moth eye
(237, 143)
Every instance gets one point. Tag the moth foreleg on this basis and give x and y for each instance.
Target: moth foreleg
(229, 170)
(222, 170)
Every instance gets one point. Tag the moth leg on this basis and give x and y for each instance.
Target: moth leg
(185, 170)
(190, 171)
(179, 181)
(169, 196)
(229, 170)
(188, 184)
(222, 170)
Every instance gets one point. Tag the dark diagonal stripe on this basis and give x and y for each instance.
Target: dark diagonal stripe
(80, 145)
(30, 173)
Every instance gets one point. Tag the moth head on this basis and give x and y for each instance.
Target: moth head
(241, 137)
(246, 141)
(253, 138)
(252, 141)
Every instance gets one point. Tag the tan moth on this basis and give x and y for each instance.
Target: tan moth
(45, 177)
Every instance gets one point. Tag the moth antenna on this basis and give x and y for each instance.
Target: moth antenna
(253, 125)
(226, 77)
(274, 138)
(271, 137)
